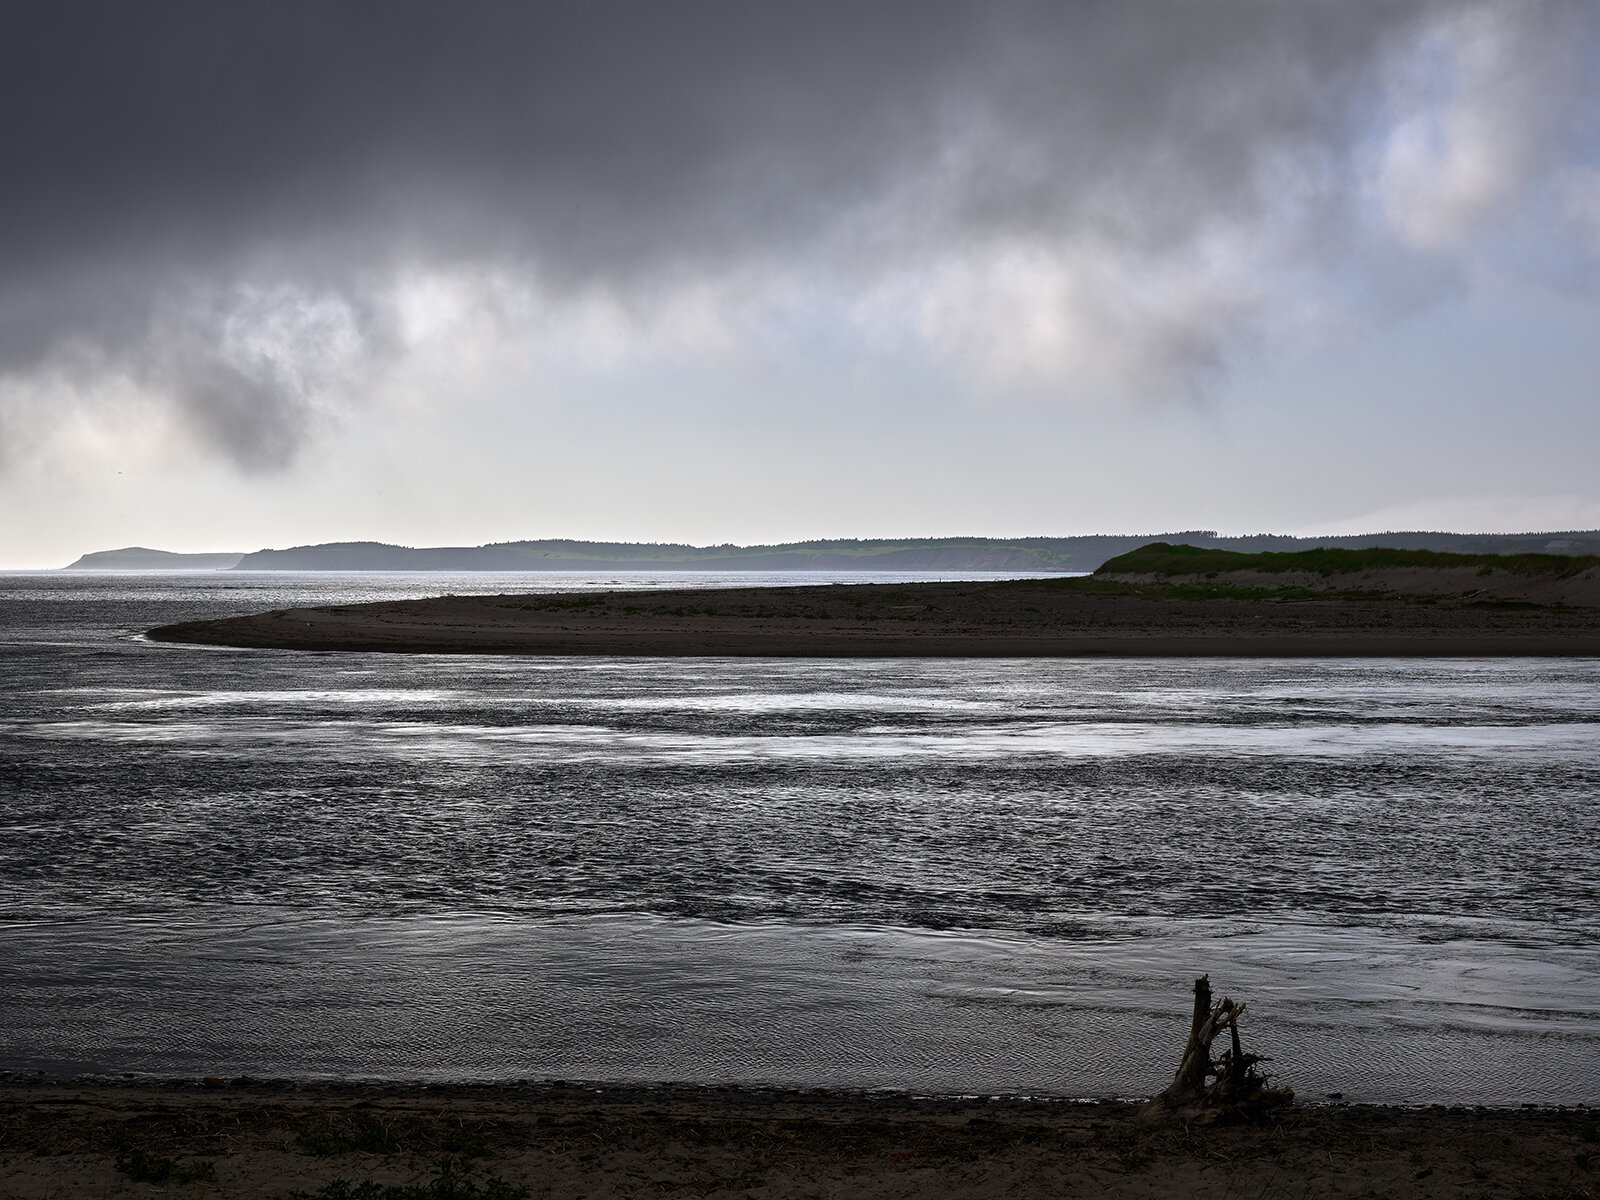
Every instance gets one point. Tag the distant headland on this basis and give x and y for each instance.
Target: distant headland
(142, 558)
(1060, 554)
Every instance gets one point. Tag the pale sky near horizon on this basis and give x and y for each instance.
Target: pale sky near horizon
(433, 274)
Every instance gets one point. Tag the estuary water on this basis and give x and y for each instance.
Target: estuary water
(938, 875)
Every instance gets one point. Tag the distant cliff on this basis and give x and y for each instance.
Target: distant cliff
(141, 558)
(842, 554)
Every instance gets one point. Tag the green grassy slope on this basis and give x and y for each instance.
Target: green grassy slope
(1162, 558)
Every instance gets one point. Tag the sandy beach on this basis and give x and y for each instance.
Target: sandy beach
(253, 1139)
(1011, 619)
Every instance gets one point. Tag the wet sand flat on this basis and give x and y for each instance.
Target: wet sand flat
(259, 1140)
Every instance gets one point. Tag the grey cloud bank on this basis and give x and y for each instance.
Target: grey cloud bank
(213, 201)
(615, 139)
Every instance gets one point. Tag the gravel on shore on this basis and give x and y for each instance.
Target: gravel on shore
(247, 1138)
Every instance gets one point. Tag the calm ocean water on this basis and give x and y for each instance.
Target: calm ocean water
(960, 875)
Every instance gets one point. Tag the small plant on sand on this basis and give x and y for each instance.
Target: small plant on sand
(463, 1144)
(452, 1182)
(149, 1168)
(368, 1137)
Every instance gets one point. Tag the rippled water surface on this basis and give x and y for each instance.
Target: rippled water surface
(959, 875)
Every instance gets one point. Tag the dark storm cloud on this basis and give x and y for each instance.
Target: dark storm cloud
(604, 136)
(162, 156)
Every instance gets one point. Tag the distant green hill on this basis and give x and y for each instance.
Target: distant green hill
(1063, 554)
(931, 554)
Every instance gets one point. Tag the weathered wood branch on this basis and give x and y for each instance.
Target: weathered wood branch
(1204, 1089)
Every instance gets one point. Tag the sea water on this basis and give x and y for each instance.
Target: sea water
(938, 875)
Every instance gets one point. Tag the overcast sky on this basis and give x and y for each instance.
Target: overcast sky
(286, 272)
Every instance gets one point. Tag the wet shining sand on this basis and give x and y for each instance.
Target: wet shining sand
(562, 1141)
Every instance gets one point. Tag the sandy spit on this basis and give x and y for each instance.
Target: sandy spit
(1021, 619)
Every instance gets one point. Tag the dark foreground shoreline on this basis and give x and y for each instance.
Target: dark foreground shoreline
(251, 1139)
(1029, 618)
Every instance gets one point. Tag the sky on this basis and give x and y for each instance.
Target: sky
(748, 271)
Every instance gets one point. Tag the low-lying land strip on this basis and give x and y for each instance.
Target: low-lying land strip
(1158, 600)
(250, 1139)
(1080, 553)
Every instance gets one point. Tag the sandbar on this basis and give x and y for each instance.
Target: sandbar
(1029, 618)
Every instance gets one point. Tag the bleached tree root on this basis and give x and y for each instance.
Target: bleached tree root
(1206, 1090)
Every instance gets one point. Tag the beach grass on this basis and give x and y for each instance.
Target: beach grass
(1164, 558)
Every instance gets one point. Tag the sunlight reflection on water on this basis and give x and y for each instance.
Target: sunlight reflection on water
(949, 875)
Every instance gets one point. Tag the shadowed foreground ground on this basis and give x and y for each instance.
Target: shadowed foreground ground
(261, 1140)
(1017, 618)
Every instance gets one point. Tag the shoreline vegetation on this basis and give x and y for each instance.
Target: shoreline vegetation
(250, 1138)
(957, 554)
(1158, 600)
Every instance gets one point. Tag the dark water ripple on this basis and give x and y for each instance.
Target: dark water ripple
(1401, 849)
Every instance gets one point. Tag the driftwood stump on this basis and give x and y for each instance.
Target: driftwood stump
(1204, 1090)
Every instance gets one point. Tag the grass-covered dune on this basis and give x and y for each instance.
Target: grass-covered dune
(1163, 558)
(1194, 572)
